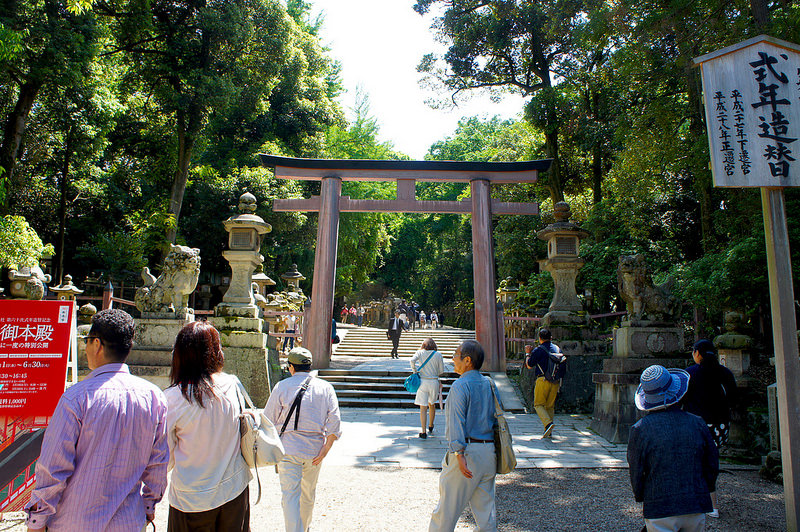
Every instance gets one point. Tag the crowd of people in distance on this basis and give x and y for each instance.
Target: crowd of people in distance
(414, 317)
(353, 315)
(113, 437)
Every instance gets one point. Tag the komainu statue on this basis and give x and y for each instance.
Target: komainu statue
(170, 291)
(644, 300)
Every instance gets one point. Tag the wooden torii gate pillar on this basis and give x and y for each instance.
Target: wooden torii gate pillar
(330, 202)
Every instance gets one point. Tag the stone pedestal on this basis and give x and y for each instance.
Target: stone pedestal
(153, 340)
(246, 352)
(634, 349)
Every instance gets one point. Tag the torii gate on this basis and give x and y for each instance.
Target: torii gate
(330, 202)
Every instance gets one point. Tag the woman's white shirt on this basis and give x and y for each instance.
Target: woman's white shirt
(432, 369)
(204, 450)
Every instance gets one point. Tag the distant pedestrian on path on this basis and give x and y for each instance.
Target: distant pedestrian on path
(672, 458)
(360, 315)
(469, 467)
(434, 320)
(711, 394)
(548, 375)
(345, 313)
(208, 489)
(103, 463)
(394, 332)
(428, 390)
(308, 431)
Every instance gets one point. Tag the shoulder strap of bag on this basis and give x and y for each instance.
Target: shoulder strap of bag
(244, 397)
(295, 408)
(498, 411)
(426, 361)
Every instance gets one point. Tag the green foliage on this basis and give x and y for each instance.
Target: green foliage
(19, 243)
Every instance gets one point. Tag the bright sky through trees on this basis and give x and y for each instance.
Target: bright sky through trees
(379, 44)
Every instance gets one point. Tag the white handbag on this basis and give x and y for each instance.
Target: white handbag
(260, 443)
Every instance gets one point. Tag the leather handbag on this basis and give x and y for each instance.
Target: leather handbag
(260, 443)
(503, 448)
(413, 381)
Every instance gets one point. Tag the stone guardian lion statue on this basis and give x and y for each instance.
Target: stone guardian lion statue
(170, 291)
(644, 300)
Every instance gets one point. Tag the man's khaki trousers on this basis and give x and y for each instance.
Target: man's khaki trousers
(298, 478)
(544, 399)
(456, 490)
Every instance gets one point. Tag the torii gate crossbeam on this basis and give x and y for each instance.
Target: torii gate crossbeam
(330, 202)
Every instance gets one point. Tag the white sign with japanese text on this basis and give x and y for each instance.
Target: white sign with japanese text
(752, 99)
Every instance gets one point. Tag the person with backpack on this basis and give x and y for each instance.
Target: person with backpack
(306, 410)
(550, 366)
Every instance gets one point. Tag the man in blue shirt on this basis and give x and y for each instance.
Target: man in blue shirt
(469, 467)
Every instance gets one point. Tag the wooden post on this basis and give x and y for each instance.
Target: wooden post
(483, 275)
(108, 293)
(318, 332)
(784, 334)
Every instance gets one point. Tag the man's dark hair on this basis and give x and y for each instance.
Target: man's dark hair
(545, 334)
(115, 328)
(301, 367)
(473, 350)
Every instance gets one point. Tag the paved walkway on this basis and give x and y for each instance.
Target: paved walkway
(389, 438)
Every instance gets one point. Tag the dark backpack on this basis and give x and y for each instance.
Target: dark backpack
(556, 367)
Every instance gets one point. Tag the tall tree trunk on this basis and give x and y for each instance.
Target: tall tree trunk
(554, 174)
(701, 177)
(760, 13)
(185, 146)
(62, 205)
(12, 137)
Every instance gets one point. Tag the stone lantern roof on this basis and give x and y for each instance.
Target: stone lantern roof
(247, 219)
(67, 290)
(562, 225)
(293, 274)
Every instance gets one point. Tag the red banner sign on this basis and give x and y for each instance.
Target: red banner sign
(34, 347)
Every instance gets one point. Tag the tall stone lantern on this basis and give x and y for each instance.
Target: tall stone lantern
(244, 242)
(236, 318)
(563, 263)
(293, 278)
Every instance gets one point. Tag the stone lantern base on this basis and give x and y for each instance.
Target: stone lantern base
(634, 349)
(246, 352)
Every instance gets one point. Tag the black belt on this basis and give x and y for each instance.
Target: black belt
(475, 440)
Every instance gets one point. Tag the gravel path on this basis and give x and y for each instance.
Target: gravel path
(397, 499)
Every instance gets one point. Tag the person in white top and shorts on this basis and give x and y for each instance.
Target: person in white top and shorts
(428, 390)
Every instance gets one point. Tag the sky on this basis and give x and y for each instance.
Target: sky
(379, 44)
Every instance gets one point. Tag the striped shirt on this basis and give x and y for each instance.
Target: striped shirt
(103, 463)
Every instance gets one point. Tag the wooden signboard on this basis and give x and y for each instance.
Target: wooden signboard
(752, 98)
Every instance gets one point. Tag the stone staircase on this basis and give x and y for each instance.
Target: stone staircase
(371, 342)
(378, 382)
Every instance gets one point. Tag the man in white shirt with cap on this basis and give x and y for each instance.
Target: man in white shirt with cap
(305, 410)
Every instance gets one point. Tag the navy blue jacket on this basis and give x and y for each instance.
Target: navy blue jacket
(711, 393)
(673, 463)
(539, 356)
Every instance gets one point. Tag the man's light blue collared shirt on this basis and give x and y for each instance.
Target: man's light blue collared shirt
(469, 411)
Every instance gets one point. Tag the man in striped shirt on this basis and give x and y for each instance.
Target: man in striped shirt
(103, 464)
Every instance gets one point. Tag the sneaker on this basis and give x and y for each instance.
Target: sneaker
(548, 431)
(714, 513)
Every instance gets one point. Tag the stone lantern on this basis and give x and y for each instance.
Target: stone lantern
(66, 291)
(507, 292)
(563, 262)
(244, 242)
(293, 278)
(236, 318)
(261, 281)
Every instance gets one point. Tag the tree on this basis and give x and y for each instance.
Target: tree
(199, 57)
(19, 243)
(48, 46)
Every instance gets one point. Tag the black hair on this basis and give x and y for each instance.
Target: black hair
(473, 350)
(115, 329)
(708, 351)
(301, 367)
(545, 334)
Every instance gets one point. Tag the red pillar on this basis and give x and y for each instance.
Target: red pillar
(484, 277)
(317, 335)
